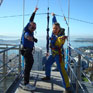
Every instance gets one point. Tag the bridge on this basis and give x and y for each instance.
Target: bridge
(12, 66)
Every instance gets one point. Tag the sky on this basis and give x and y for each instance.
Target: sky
(11, 19)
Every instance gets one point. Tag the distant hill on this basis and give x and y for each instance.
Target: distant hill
(3, 36)
(9, 41)
(84, 40)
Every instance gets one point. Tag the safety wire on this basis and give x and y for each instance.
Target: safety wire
(37, 3)
(87, 22)
(68, 21)
(65, 17)
(36, 7)
(62, 12)
(68, 40)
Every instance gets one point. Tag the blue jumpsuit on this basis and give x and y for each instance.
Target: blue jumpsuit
(56, 44)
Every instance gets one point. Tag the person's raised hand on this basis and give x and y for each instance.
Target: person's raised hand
(52, 14)
(36, 9)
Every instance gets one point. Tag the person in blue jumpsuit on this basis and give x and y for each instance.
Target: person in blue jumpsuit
(27, 41)
(57, 41)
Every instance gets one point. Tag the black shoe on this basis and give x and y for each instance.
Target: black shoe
(68, 91)
(46, 78)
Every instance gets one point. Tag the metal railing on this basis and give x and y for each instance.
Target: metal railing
(76, 71)
(10, 65)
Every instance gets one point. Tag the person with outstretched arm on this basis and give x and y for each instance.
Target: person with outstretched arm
(56, 43)
(28, 41)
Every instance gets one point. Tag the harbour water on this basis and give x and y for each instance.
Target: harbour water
(76, 42)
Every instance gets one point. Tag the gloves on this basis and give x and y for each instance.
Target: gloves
(35, 40)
